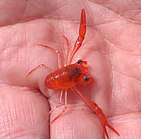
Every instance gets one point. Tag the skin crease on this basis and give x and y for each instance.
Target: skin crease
(112, 48)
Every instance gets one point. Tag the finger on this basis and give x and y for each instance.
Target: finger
(21, 112)
(77, 122)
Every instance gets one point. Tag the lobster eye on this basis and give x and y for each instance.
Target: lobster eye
(79, 61)
(86, 78)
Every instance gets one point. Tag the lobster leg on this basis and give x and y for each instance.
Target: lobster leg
(98, 112)
(55, 50)
(68, 50)
(39, 66)
(63, 111)
(60, 102)
(42, 65)
(82, 32)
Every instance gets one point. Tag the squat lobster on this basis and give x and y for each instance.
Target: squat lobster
(70, 75)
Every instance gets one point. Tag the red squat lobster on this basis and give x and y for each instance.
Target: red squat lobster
(70, 75)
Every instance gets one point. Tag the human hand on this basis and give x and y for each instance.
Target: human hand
(110, 49)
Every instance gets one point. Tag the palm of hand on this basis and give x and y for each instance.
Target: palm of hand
(112, 48)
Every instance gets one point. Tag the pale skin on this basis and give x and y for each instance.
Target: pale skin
(111, 47)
